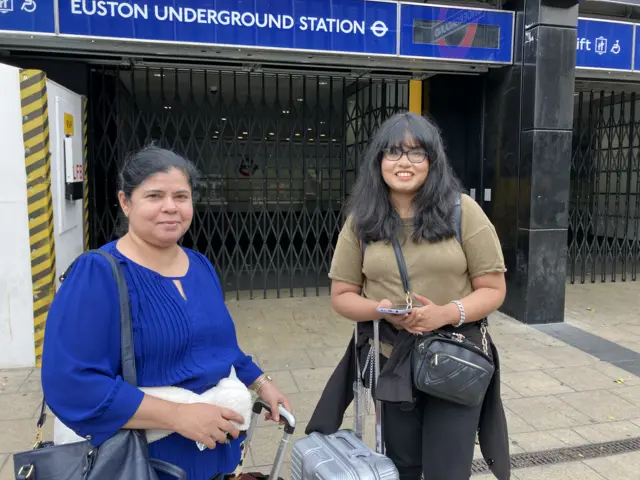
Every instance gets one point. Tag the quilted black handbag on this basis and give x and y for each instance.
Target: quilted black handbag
(445, 364)
(125, 456)
(448, 366)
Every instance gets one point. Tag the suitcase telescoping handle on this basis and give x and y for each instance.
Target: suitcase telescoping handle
(289, 428)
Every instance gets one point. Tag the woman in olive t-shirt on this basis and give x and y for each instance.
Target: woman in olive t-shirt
(406, 188)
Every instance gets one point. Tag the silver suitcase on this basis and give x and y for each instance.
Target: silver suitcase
(343, 455)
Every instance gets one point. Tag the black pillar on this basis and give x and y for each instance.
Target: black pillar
(528, 130)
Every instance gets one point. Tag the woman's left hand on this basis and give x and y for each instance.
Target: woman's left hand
(426, 318)
(274, 397)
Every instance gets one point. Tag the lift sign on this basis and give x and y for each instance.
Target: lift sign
(349, 26)
(604, 45)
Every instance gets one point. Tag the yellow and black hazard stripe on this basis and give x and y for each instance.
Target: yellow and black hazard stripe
(35, 129)
(85, 194)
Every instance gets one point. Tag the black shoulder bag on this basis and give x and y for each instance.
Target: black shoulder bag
(445, 364)
(125, 456)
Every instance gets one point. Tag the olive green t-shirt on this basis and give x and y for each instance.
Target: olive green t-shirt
(441, 271)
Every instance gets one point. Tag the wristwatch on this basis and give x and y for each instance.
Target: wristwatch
(259, 383)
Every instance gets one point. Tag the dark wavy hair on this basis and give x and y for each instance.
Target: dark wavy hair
(374, 216)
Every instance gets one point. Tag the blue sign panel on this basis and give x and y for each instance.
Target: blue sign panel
(350, 26)
(636, 60)
(28, 16)
(604, 45)
(456, 33)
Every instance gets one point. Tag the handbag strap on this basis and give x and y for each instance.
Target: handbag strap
(127, 355)
(402, 267)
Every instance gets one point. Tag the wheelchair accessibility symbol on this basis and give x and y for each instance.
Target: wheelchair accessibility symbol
(616, 48)
(29, 6)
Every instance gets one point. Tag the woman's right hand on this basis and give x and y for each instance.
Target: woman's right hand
(397, 320)
(206, 423)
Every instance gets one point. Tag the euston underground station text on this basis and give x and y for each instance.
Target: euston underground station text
(125, 10)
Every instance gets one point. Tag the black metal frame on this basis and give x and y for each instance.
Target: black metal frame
(604, 212)
(278, 152)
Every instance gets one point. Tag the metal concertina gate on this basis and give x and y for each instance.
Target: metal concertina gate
(604, 213)
(277, 153)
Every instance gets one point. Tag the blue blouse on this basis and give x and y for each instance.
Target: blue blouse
(186, 343)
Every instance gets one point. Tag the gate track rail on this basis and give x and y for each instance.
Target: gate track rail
(564, 455)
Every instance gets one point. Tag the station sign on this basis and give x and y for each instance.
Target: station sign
(340, 26)
(352, 27)
(605, 45)
(356, 27)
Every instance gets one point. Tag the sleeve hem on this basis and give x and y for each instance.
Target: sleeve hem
(345, 280)
(124, 406)
(486, 271)
(249, 374)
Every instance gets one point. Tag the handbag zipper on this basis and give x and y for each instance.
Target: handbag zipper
(434, 361)
(472, 347)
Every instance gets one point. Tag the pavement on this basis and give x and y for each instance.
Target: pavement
(565, 385)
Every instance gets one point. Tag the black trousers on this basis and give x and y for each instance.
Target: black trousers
(435, 437)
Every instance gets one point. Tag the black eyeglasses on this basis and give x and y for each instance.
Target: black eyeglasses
(415, 155)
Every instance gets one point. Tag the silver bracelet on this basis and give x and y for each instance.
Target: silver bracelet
(462, 314)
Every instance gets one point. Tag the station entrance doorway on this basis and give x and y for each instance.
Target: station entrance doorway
(604, 208)
(277, 152)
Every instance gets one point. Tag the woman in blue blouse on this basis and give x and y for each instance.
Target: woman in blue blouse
(183, 333)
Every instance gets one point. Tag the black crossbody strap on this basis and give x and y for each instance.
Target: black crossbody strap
(457, 219)
(127, 355)
(402, 266)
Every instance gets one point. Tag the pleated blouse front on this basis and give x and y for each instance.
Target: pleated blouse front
(190, 343)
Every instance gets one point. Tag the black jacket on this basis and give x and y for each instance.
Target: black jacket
(396, 385)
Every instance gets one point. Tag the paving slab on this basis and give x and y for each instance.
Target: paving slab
(12, 380)
(5, 473)
(562, 387)
(567, 471)
(617, 467)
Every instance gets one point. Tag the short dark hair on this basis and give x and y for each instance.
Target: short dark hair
(144, 163)
(141, 165)
(375, 218)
